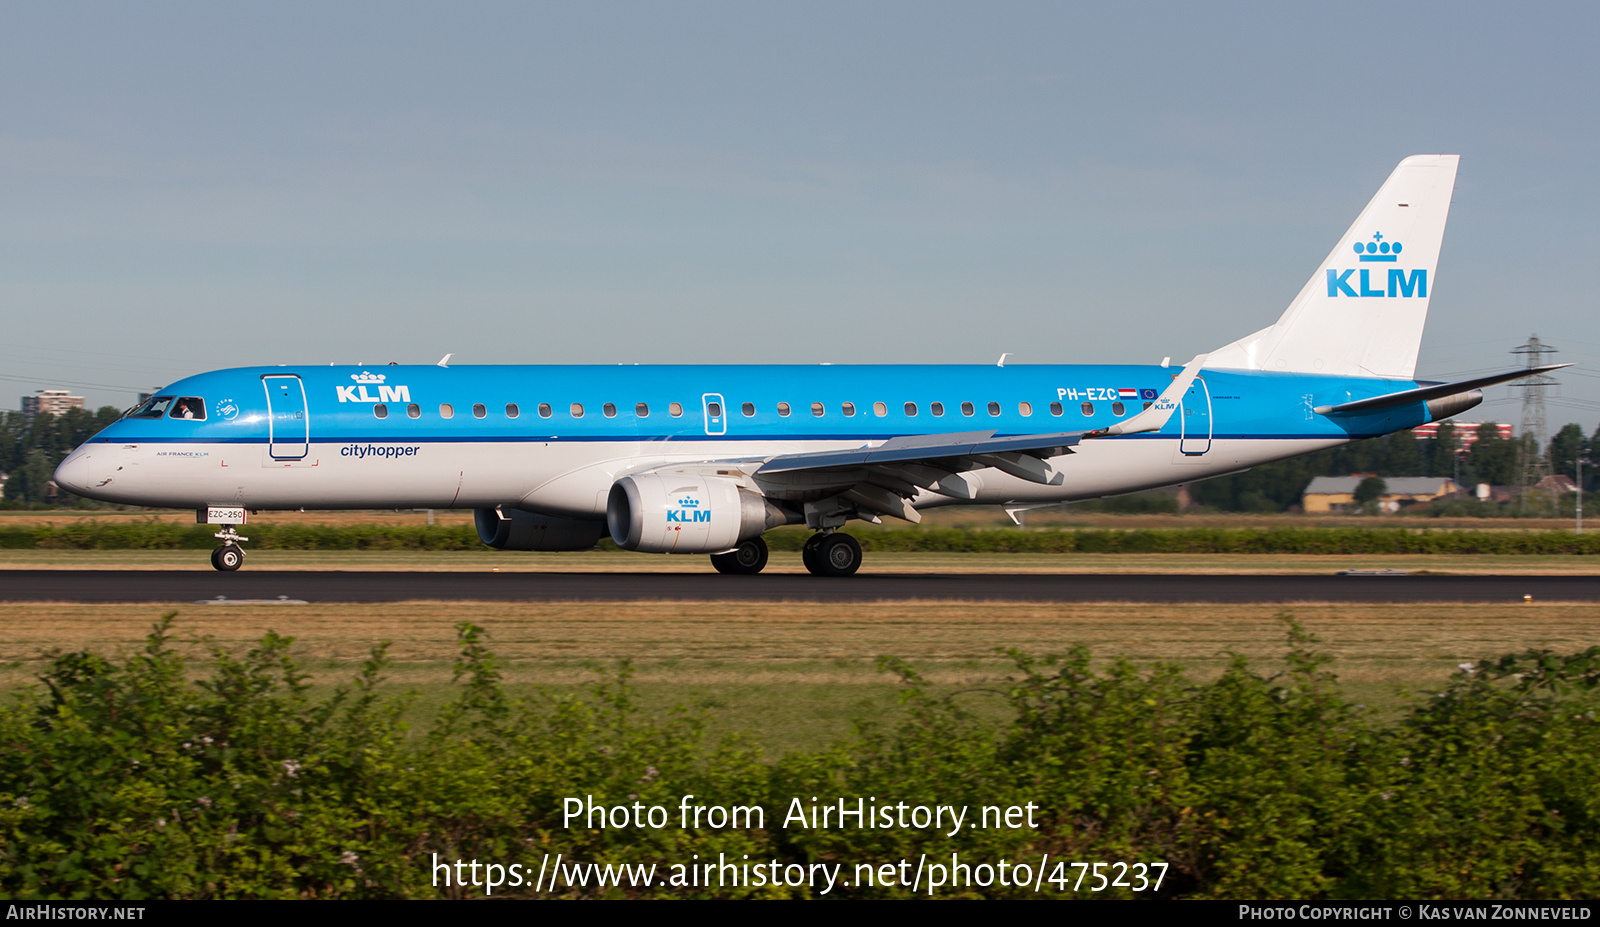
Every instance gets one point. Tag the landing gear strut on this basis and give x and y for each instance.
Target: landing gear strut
(230, 556)
(833, 554)
(747, 559)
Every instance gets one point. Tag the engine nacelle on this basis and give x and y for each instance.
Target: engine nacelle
(514, 529)
(684, 513)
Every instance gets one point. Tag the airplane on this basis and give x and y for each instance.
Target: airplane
(705, 459)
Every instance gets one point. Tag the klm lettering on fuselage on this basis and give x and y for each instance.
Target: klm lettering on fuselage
(688, 512)
(1401, 283)
(358, 393)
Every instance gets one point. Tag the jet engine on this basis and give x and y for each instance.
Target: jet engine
(515, 529)
(685, 513)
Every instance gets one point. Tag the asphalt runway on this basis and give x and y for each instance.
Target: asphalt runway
(339, 586)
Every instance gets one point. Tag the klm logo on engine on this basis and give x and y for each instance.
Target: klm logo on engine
(688, 512)
(1400, 283)
(358, 393)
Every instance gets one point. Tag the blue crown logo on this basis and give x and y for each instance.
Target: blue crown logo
(689, 503)
(1377, 249)
(367, 377)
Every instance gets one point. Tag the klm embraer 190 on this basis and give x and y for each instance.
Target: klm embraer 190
(705, 459)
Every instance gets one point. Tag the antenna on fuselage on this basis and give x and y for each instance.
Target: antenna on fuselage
(445, 360)
(1002, 361)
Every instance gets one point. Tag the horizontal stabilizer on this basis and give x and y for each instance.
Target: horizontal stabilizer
(927, 447)
(1436, 391)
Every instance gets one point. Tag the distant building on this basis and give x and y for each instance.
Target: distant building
(1333, 494)
(1559, 483)
(52, 401)
(1466, 433)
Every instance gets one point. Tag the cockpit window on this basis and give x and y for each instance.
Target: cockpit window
(154, 407)
(189, 407)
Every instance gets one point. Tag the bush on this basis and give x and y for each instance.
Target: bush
(127, 780)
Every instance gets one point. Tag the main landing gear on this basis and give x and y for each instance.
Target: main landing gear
(230, 556)
(748, 559)
(832, 554)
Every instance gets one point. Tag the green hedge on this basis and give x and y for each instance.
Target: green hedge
(151, 535)
(124, 779)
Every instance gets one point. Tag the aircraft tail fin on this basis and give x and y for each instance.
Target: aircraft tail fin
(1361, 314)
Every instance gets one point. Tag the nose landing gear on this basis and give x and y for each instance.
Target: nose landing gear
(230, 556)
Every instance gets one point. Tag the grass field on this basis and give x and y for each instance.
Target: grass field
(799, 675)
(597, 561)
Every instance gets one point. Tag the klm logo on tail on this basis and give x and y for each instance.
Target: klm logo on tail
(1377, 251)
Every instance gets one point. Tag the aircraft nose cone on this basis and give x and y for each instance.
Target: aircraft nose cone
(73, 474)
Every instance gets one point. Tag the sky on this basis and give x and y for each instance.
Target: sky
(191, 186)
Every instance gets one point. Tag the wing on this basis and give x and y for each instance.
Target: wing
(884, 478)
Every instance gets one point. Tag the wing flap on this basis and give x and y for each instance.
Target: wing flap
(918, 448)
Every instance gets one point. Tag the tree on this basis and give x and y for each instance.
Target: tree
(1565, 448)
(1493, 458)
(1369, 490)
(1442, 456)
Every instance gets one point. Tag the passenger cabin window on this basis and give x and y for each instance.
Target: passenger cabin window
(879, 409)
(1088, 408)
(577, 410)
(816, 409)
(380, 411)
(994, 408)
(748, 409)
(849, 409)
(544, 410)
(642, 410)
(675, 409)
(911, 408)
(512, 411)
(937, 408)
(609, 410)
(1148, 404)
(783, 409)
(190, 407)
(154, 407)
(446, 410)
(478, 410)
(966, 408)
(413, 411)
(1118, 408)
(1024, 408)
(1055, 408)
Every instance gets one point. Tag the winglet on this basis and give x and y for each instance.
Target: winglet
(1155, 417)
